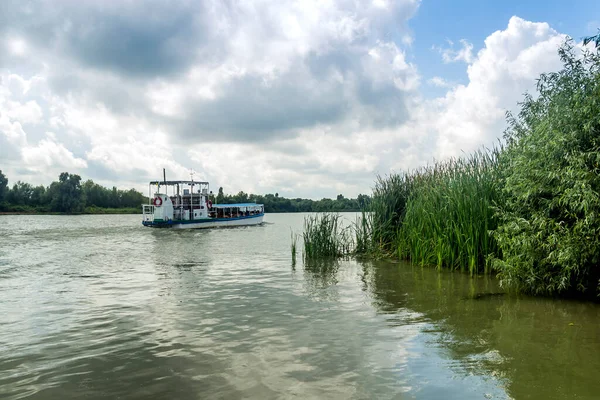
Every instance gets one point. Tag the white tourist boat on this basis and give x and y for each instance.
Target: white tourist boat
(189, 205)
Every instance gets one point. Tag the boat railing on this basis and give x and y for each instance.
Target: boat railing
(148, 212)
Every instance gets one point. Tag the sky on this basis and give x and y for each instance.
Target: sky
(306, 98)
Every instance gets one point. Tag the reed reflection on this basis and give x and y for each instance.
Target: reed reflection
(515, 339)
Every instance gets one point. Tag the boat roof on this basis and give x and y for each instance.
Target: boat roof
(236, 205)
(162, 183)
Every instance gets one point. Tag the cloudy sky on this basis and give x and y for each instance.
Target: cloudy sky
(307, 98)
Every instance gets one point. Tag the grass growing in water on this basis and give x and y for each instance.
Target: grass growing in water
(325, 237)
(440, 215)
(294, 246)
(366, 243)
(363, 228)
(449, 214)
(388, 206)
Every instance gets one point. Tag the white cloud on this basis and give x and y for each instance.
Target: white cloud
(17, 46)
(473, 115)
(440, 82)
(465, 53)
(252, 77)
(49, 153)
(28, 113)
(306, 99)
(12, 131)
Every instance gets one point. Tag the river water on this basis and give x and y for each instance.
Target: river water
(100, 307)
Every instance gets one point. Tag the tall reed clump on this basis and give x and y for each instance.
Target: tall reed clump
(449, 214)
(388, 206)
(326, 237)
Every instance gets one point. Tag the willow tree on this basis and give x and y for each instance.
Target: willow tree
(66, 195)
(3, 186)
(549, 232)
(592, 39)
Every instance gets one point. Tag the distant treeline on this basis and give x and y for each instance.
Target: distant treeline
(275, 203)
(70, 195)
(67, 195)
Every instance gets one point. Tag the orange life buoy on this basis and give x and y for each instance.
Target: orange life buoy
(209, 204)
(157, 201)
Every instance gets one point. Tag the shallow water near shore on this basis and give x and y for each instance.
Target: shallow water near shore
(99, 307)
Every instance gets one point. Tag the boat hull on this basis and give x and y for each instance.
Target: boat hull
(207, 223)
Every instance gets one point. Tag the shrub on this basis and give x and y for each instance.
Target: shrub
(550, 218)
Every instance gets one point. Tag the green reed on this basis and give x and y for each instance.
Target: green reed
(388, 206)
(294, 247)
(449, 214)
(439, 215)
(365, 241)
(363, 229)
(325, 236)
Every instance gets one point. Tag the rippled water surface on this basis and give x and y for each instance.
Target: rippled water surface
(99, 307)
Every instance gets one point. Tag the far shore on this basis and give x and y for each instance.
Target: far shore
(87, 212)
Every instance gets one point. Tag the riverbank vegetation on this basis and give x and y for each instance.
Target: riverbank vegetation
(447, 216)
(528, 210)
(68, 195)
(549, 216)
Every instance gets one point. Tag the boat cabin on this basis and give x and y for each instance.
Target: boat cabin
(235, 210)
